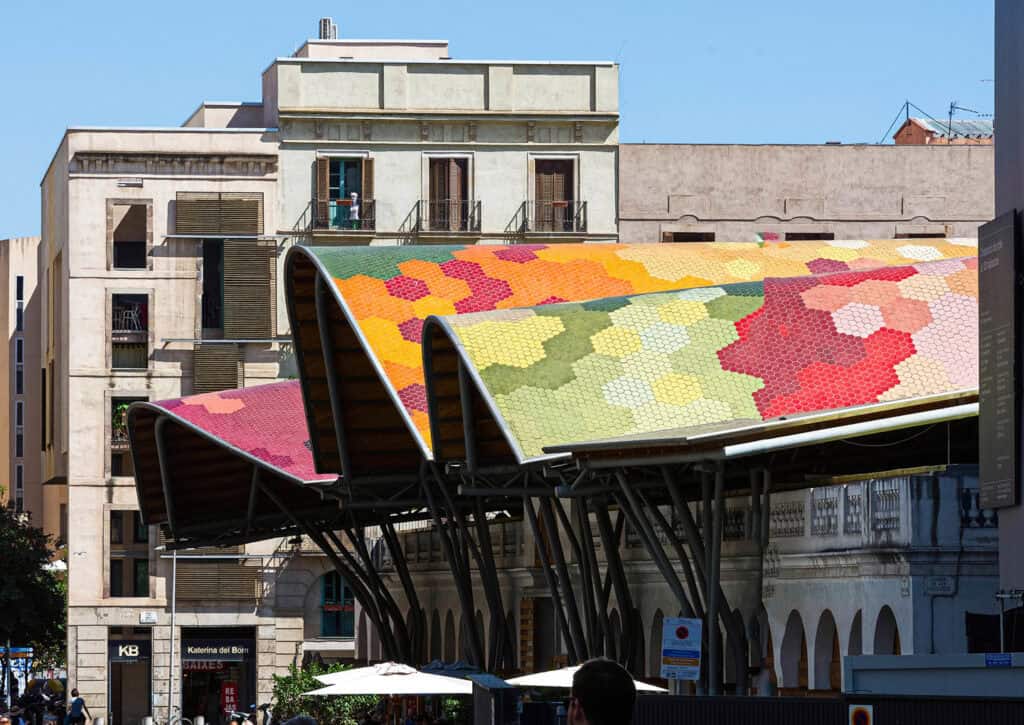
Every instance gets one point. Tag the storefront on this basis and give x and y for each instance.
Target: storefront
(218, 672)
(129, 654)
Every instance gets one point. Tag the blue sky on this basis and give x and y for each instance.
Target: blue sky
(743, 71)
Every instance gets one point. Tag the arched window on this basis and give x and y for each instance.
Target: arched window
(337, 606)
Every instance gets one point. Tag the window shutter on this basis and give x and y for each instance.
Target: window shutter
(218, 212)
(214, 367)
(248, 293)
(368, 179)
(455, 194)
(212, 580)
(323, 191)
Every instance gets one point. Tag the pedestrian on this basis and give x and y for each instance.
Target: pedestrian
(79, 711)
(602, 693)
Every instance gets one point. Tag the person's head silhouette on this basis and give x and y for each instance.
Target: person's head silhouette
(603, 693)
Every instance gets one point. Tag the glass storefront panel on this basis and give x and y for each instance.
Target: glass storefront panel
(218, 672)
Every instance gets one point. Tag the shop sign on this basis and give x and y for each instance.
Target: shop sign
(129, 650)
(224, 650)
(202, 665)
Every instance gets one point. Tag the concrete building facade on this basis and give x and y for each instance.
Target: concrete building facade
(686, 192)
(159, 268)
(20, 359)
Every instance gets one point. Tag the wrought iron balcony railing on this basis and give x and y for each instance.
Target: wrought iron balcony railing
(339, 215)
(447, 215)
(556, 217)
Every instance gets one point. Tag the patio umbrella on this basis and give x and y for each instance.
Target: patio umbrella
(562, 678)
(391, 678)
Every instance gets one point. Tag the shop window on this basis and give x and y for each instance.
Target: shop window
(337, 607)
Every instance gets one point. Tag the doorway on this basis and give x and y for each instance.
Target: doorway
(554, 186)
(449, 193)
(129, 655)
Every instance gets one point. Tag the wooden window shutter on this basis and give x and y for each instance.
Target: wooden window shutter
(248, 292)
(214, 367)
(368, 179)
(323, 191)
(218, 213)
(455, 193)
(212, 580)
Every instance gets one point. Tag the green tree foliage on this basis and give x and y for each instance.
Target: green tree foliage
(33, 600)
(289, 701)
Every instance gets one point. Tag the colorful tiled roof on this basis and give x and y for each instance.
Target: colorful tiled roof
(621, 366)
(265, 422)
(390, 291)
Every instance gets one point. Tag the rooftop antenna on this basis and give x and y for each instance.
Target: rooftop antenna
(328, 30)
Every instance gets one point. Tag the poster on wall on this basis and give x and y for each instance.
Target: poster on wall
(680, 648)
(229, 697)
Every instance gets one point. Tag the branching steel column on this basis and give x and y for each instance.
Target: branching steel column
(632, 509)
(681, 554)
(714, 585)
(575, 625)
(165, 474)
(333, 391)
(364, 597)
(600, 632)
(459, 568)
(501, 643)
(556, 598)
(624, 648)
(586, 580)
(387, 601)
(402, 568)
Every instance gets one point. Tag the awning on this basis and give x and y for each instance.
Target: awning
(562, 679)
(391, 678)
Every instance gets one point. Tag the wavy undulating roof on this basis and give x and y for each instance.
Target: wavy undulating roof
(753, 351)
(264, 422)
(385, 294)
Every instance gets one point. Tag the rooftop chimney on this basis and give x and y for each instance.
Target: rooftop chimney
(328, 30)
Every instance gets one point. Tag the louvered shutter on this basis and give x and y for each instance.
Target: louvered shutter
(216, 580)
(214, 367)
(323, 192)
(218, 213)
(248, 292)
(455, 194)
(368, 180)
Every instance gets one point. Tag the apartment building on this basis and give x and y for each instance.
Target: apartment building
(735, 192)
(159, 268)
(19, 357)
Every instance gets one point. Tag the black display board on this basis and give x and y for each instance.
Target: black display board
(1000, 400)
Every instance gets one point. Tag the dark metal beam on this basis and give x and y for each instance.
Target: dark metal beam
(556, 598)
(165, 473)
(327, 346)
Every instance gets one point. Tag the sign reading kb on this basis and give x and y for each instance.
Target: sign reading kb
(129, 650)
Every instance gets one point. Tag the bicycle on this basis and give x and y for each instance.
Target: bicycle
(175, 718)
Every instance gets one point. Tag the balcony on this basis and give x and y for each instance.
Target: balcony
(338, 216)
(129, 331)
(445, 216)
(549, 217)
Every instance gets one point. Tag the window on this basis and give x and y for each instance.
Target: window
(688, 237)
(140, 530)
(117, 578)
(19, 444)
(19, 316)
(809, 236)
(449, 207)
(19, 413)
(19, 350)
(337, 179)
(62, 539)
(213, 284)
(922, 235)
(130, 235)
(141, 577)
(128, 555)
(117, 527)
(129, 334)
(19, 288)
(554, 195)
(19, 381)
(19, 477)
(121, 462)
(43, 417)
(337, 607)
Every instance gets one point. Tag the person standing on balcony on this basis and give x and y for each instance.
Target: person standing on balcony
(353, 210)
